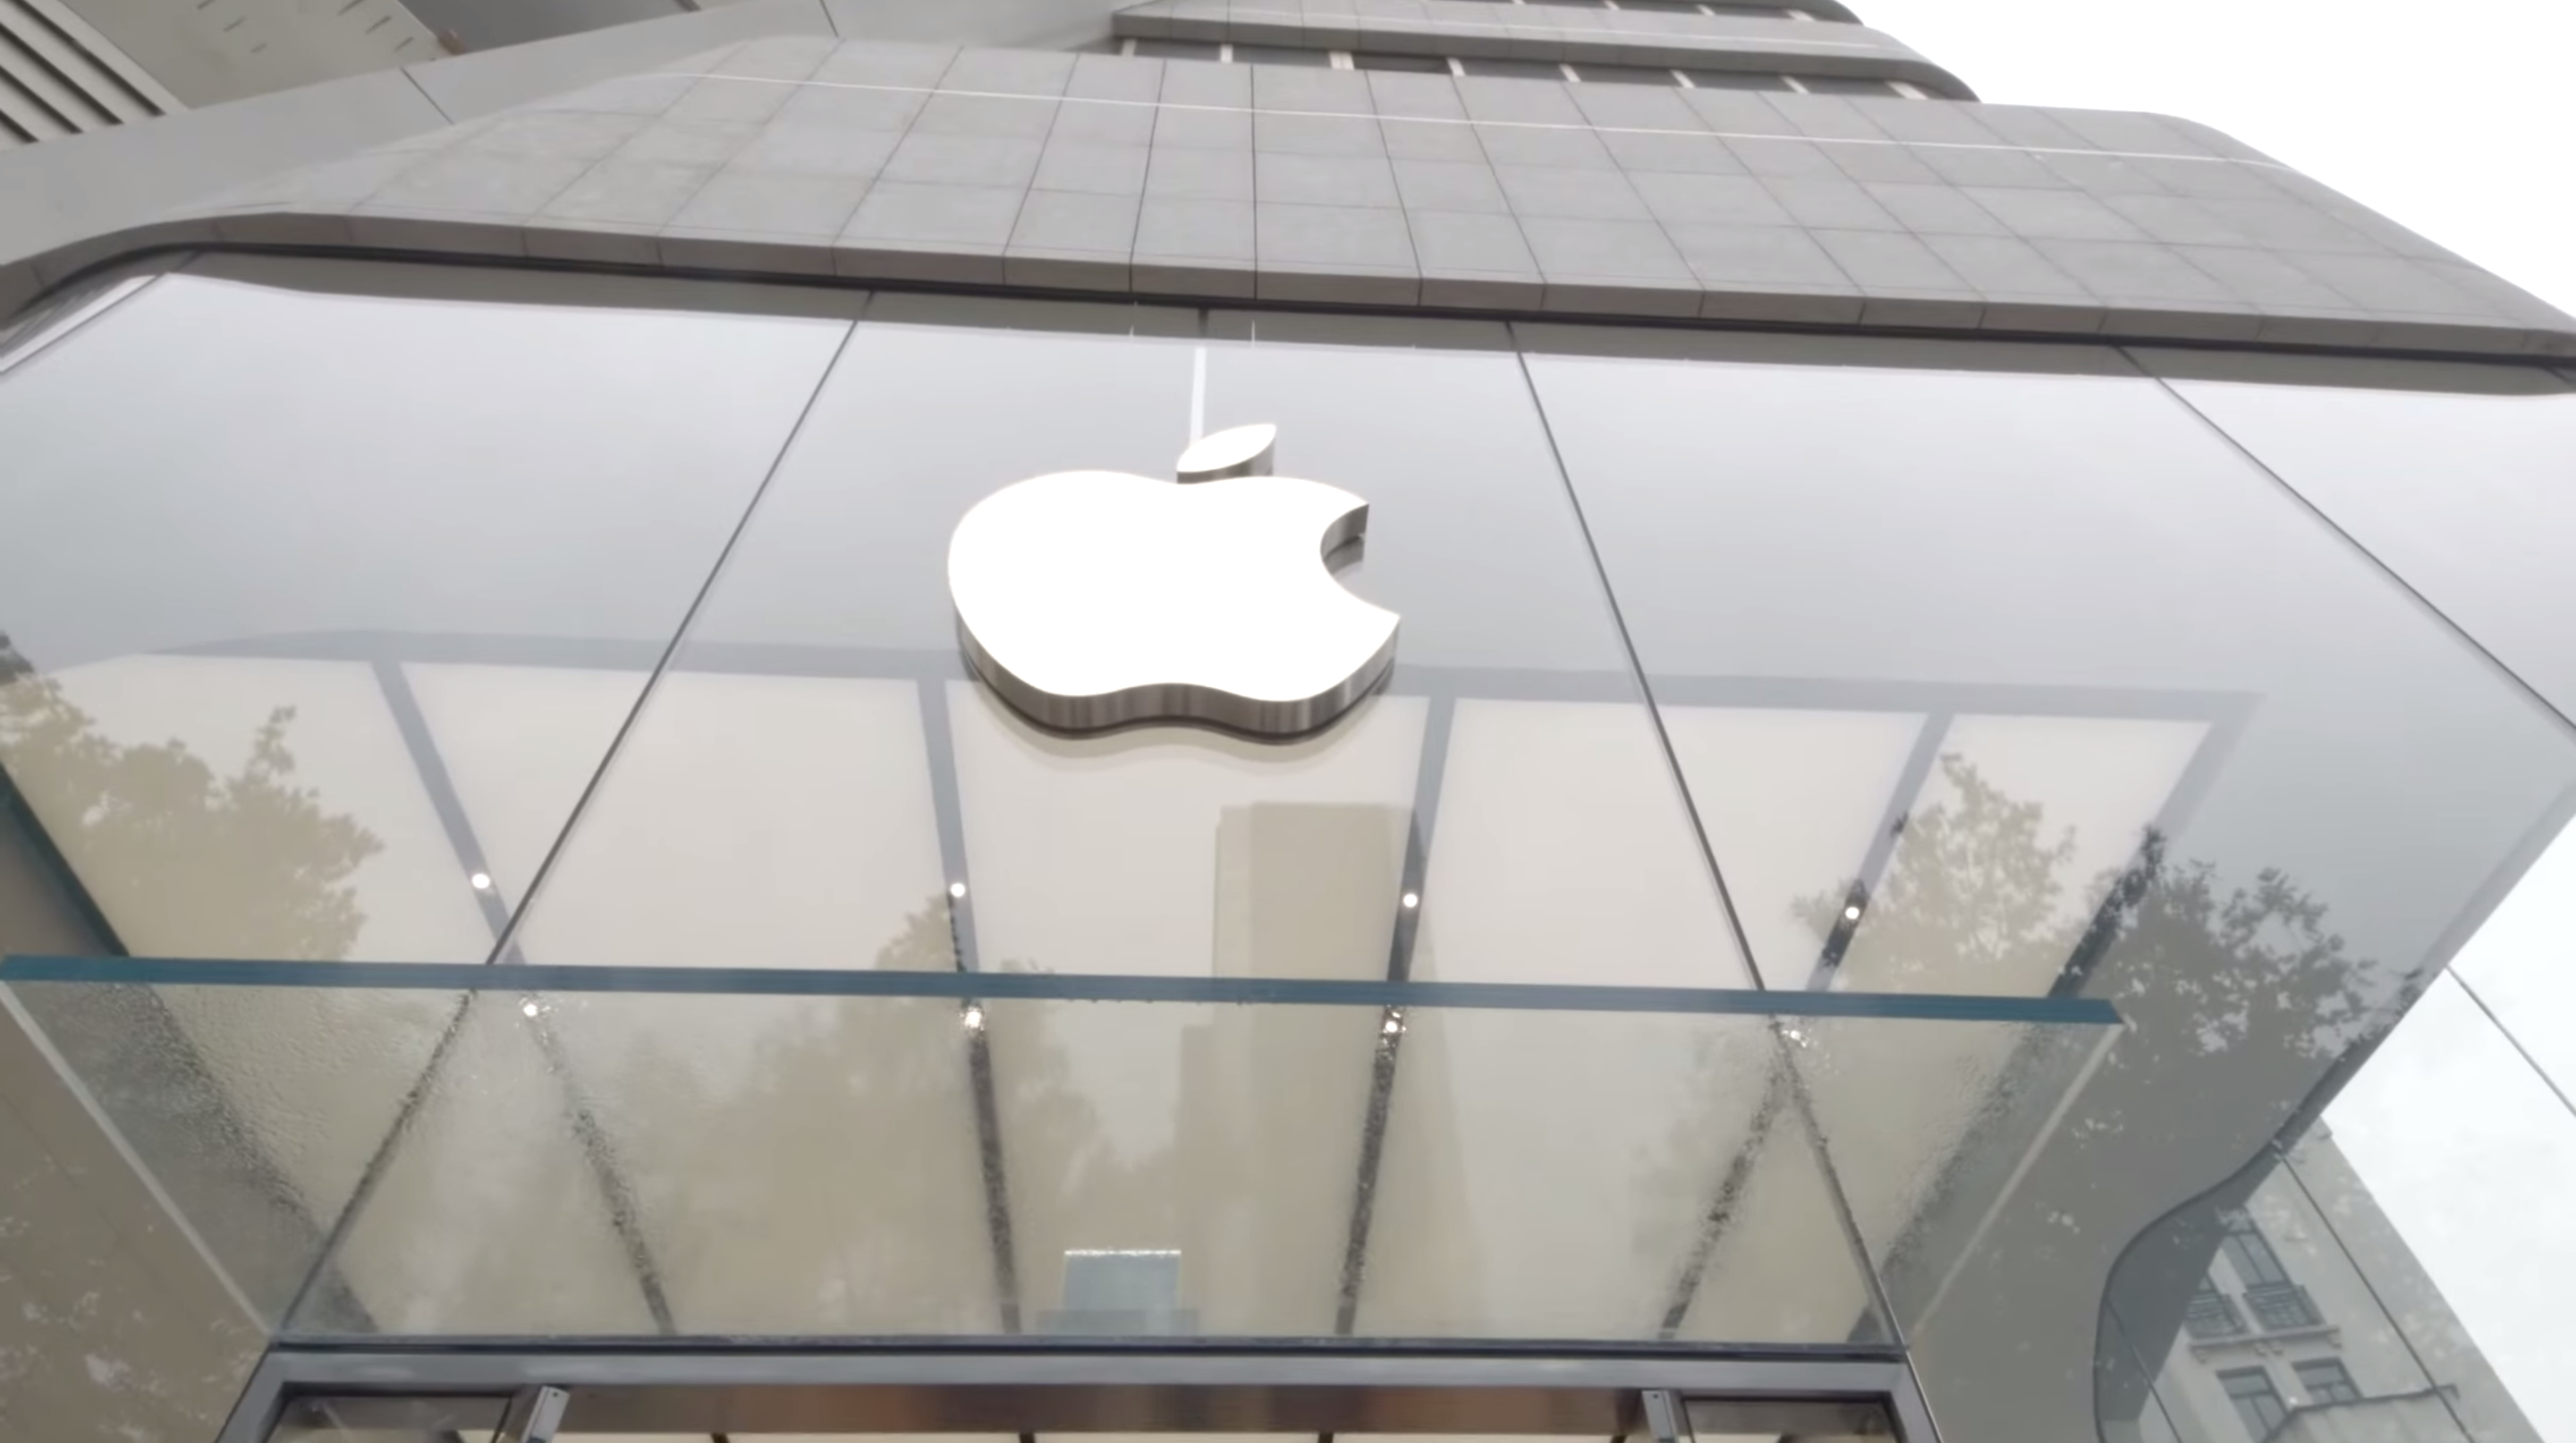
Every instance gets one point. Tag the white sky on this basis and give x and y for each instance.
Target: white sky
(2451, 118)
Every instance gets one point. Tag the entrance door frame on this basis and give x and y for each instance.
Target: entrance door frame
(686, 1387)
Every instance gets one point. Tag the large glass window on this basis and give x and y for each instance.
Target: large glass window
(2034, 685)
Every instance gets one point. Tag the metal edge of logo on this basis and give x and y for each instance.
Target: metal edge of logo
(1178, 701)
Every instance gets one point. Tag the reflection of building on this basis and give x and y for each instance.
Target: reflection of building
(2314, 1322)
(1885, 799)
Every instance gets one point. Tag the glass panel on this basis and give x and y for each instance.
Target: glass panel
(1281, 55)
(1845, 85)
(870, 1153)
(1622, 75)
(2461, 479)
(1558, 848)
(1410, 64)
(360, 1419)
(2082, 703)
(312, 661)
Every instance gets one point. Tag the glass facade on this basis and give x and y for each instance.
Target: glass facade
(1701, 941)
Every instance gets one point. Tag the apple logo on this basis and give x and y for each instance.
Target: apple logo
(1092, 599)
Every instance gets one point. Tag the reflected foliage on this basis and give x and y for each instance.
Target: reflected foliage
(247, 865)
(812, 1164)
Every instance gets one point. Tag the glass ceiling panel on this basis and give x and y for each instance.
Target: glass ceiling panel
(709, 1151)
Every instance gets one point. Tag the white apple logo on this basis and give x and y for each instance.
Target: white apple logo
(1093, 599)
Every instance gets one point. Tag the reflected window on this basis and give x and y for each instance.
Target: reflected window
(2326, 1380)
(2256, 1400)
(2211, 1313)
(2251, 1252)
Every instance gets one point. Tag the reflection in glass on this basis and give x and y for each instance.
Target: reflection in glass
(2179, 747)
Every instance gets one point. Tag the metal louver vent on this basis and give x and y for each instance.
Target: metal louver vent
(59, 77)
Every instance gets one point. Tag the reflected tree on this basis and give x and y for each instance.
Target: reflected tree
(246, 865)
(816, 1165)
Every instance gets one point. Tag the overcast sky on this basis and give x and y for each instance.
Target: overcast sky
(2454, 119)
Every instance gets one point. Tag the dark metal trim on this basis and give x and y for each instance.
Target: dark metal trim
(722, 1388)
(1058, 987)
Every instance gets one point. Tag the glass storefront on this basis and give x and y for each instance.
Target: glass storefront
(360, 615)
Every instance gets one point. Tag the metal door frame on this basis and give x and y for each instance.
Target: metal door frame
(680, 1386)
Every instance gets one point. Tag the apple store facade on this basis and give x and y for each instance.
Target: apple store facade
(1844, 916)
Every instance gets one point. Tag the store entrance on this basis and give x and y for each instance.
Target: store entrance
(654, 1395)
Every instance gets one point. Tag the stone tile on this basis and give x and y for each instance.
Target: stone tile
(826, 151)
(1191, 82)
(1548, 190)
(1786, 305)
(1737, 112)
(891, 110)
(1725, 200)
(687, 142)
(1341, 285)
(1591, 250)
(1323, 180)
(2175, 220)
(1098, 169)
(899, 211)
(2026, 314)
(2127, 130)
(1167, 276)
(2289, 226)
(2167, 320)
(1883, 162)
(478, 184)
(1452, 241)
(631, 193)
(1329, 135)
(456, 232)
(1483, 290)
(1052, 220)
(1199, 174)
(2004, 266)
(1183, 128)
(1197, 229)
(768, 203)
(1936, 210)
(1579, 294)
(1949, 121)
(964, 160)
(1431, 140)
(1015, 72)
(2026, 125)
(717, 98)
(1924, 310)
(1449, 185)
(1962, 166)
(780, 57)
(1641, 106)
(285, 226)
(2221, 179)
(1774, 256)
(1044, 269)
(1494, 98)
(991, 116)
(1824, 117)
(1831, 205)
(2053, 214)
(1684, 154)
(600, 242)
(1283, 87)
(557, 135)
(1115, 77)
(2388, 283)
(631, 95)
(1358, 237)
(2102, 175)
(2125, 272)
(1885, 262)
(1395, 93)
(1786, 159)
(1544, 145)
(1104, 122)
(886, 62)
